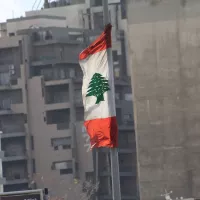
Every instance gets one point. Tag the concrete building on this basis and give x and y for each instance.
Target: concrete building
(41, 106)
(164, 52)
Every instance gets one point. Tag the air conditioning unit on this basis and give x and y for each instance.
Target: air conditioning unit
(12, 69)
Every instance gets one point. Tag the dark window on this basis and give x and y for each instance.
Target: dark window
(98, 3)
(56, 148)
(64, 142)
(42, 85)
(66, 171)
(32, 143)
(98, 20)
(36, 37)
(11, 34)
(115, 56)
(66, 146)
(123, 9)
(48, 35)
(13, 81)
(89, 176)
(33, 165)
(25, 119)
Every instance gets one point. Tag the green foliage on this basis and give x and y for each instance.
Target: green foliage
(97, 87)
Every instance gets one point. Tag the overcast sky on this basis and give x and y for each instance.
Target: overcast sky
(16, 8)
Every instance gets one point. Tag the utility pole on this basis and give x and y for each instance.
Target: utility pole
(116, 190)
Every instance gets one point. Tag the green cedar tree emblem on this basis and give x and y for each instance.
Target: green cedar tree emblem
(97, 87)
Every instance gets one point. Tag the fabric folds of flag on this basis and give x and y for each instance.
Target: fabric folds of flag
(98, 92)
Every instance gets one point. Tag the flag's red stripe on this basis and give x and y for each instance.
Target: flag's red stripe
(103, 132)
(101, 43)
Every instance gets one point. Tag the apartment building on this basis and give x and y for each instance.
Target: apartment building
(42, 110)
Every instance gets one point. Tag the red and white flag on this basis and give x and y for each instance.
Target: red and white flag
(98, 92)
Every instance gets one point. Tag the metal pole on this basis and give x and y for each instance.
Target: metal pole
(116, 191)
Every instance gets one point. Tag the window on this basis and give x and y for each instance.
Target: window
(98, 21)
(72, 73)
(78, 96)
(115, 56)
(116, 72)
(11, 34)
(65, 143)
(36, 37)
(117, 96)
(62, 165)
(128, 119)
(4, 78)
(89, 176)
(65, 167)
(66, 171)
(79, 114)
(56, 148)
(33, 165)
(48, 35)
(32, 143)
(128, 97)
(98, 3)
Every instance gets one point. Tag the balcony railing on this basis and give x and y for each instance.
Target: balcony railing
(17, 177)
(127, 144)
(127, 168)
(79, 101)
(14, 153)
(5, 104)
(12, 128)
(57, 99)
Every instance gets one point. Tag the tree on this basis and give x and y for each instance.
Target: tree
(97, 87)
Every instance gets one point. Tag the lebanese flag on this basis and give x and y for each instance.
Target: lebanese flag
(98, 92)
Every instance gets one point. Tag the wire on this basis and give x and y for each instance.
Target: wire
(34, 4)
(39, 4)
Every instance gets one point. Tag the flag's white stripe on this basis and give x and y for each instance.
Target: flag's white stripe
(98, 63)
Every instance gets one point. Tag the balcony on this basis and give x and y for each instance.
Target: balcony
(127, 144)
(47, 60)
(118, 103)
(10, 131)
(126, 125)
(5, 107)
(14, 156)
(57, 82)
(57, 97)
(9, 86)
(79, 102)
(61, 118)
(14, 180)
(127, 170)
(57, 106)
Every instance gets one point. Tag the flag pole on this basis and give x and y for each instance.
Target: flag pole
(116, 191)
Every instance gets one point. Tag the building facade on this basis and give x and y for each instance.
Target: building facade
(42, 112)
(164, 49)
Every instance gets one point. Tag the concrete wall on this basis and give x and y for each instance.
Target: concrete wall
(85, 157)
(164, 55)
(73, 14)
(40, 21)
